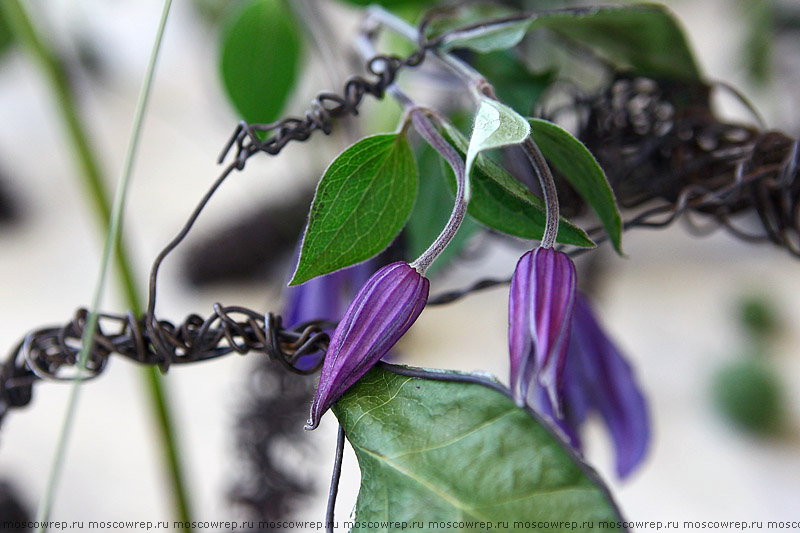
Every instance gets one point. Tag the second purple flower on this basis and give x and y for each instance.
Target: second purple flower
(540, 308)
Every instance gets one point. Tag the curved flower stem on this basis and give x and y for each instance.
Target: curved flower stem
(110, 216)
(548, 191)
(428, 132)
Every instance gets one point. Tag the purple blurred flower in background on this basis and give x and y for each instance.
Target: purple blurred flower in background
(597, 378)
(324, 298)
(540, 314)
(382, 311)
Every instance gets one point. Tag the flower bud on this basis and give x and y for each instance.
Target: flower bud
(380, 314)
(324, 298)
(540, 314)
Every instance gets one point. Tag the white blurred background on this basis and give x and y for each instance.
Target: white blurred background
(671, 304)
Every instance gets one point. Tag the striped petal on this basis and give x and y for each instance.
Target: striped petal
(382, 311)
(540, 315)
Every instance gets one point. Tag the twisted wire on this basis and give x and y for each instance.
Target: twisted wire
(324, 109)
(52, 353)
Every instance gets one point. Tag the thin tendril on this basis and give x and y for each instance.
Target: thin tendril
(428, 132)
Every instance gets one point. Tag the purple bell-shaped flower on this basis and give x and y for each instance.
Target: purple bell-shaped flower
(540, 308)
(382, 311)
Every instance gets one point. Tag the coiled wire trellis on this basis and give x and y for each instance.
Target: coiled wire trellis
(52, 353)
(656, 148)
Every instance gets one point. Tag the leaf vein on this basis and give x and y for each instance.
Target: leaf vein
(459, 437)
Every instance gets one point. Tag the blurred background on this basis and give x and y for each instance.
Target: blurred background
(695, 315)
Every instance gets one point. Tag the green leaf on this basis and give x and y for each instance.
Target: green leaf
(582, 171)
(501, 202)
(644, 37)
(361, 204)
(260, 58)
(495, 125)
(435, 451)
(489, 38)
(432, 211)
(749, 394)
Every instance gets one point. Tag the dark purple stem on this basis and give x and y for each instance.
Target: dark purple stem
(548, 191)
(428, 131)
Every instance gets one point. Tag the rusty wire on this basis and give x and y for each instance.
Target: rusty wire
(52, 353)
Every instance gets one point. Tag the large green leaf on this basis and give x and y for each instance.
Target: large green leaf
(645, 37)
(260, 58)
(431, 451)
(501, 202)
(582, 171)
(361, 204)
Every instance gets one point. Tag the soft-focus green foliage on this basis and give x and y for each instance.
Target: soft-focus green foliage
(5, 34)
(644, 37)
(260, 58)
(748, 393)
(758, 316)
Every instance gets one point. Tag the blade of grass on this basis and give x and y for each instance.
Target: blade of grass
(110, 217)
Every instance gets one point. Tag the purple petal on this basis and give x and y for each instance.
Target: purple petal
(325, 297)
(610, 388)
(542, 294)
(519, 332)
(380, 314)
(575, 403)
(551, 279)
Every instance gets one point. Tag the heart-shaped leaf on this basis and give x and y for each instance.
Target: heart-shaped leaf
(582, 171)
(361, 204)
(462, 454)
